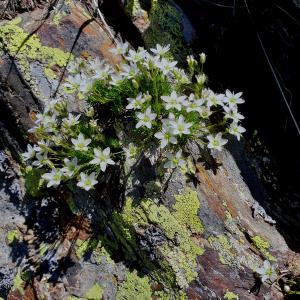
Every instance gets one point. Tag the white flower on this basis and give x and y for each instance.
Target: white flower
(71, 120)
(214, 99)
(53, 178)
(166, 66)
(160, 50)
(87, 181)
(116, 79)
(129, 71)
(180, 126)
(174, 160)
(193, 104)
(121, 49)
(29, 154)
(236, 130)
(43, 146)
(232, 113)
(136, 103)
(267, 271)
(102, 158)
(151, 61)
(191, 60)
(42, 160)
(233, 99)
(180, 76)
(102, 72)
(146, 118)
(130, 151)
(216, 141)
(45, 119)
(74, 66)
(173, 101)
(55, 106)
(202, 58)
(205, 112)
(85, 84)
(73, 82)
(81, 144)
(70, 166)
(166, 136)
(136, 56)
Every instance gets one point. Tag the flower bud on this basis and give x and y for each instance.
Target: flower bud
(202, 58)
(201, 79)
(191, 61)
(135, 83)
(286, 288)
(90, 112)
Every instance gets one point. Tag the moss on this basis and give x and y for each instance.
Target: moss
(95, 292)
(12, 236)
(230, 296)
(18, 284)
(225, 251)
(26, 48)
(134, 287)
(187, 206)
(166, 26)
(32, 182)
(263, 247)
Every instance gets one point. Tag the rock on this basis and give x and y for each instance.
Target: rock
(174, 237)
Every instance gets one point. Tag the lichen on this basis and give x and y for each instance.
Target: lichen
(57, 18)
(227, 255)
(187, 206)
(94, 247)
(134, 287)
(95, 292)
(18, 284)
(49, 73)
(230, 296)
(263, 247)
(179, 257)
(12, 236)
(25, 48)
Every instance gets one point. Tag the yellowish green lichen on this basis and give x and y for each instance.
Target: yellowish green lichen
(18, 284)
(186, 208)
(230, 296)
(57, 18)
(179, 256)
(25, 48)
(263, 247)
(12, 236)
(134, 287)
(50, 74)
(220, 243)
(92, 246)
(95, 292)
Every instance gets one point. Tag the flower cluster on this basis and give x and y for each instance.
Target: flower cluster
(146, 91)
(69, 146)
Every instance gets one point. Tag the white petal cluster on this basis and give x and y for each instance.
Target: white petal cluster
(267, 272)
(161, 103)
